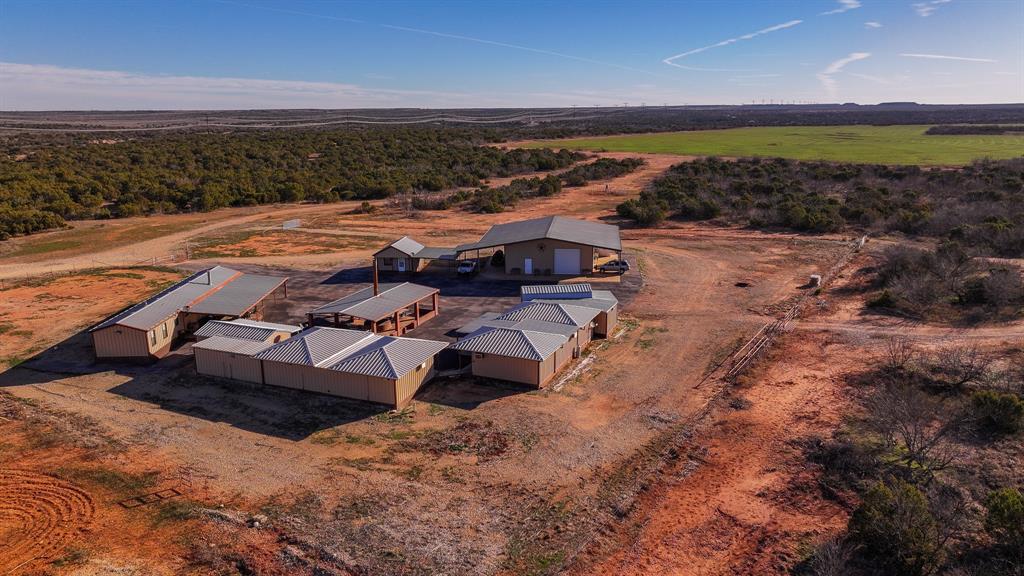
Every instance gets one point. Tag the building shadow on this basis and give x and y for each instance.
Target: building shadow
(266, 410)
(359, 275)
(172, 384)
(469, 392)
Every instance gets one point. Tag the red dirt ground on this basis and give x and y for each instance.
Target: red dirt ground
(750, 502)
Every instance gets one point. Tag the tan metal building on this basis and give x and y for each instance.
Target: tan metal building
(408, 255)
(245, 329)
(578, 294)
(352, 364)
(549, 246)
(515, 354)
(147, 329)
(530, 343)
(226, 357)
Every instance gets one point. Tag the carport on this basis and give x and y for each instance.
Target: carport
(395, 310)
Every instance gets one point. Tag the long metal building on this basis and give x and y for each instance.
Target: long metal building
(147, 329)
(352, 364)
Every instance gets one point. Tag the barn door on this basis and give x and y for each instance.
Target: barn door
(567, 261)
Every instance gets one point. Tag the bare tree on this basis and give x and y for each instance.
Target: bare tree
(898, 354)
(911, 422)
(1003, 287)
(958, 366)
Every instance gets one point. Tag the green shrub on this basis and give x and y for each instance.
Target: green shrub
(896, 529)
(1004, 519)
(998, 412)
(883, 300)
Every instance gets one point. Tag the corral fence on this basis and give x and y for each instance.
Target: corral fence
(91, 265)
(762, 340)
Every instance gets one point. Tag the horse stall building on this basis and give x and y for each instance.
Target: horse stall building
(352, 364)
(579, 294)
(528, 344)
(245, 329)
(148, 329)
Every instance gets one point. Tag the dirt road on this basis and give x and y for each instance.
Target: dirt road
(590, 201)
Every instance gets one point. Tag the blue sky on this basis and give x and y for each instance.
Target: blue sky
(227, 54)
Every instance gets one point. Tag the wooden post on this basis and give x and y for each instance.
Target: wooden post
(376, 285)
(436, 302)
(416, 312)
(337, 320)
(398, 326)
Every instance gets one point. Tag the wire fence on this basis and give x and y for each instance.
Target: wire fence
(762, 340)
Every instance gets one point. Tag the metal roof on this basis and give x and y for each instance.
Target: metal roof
(556, 291)
(555, 312)
(511, 342)
(238, 296)
(363, 304)
(293, 328)
(436, 253)
(414, 249)
(551, 227)
(353, 351)
(476, 323)
(405, 245)
(316, 347)
(492, 320)
(233, 345)
(389, 357)
(602, 300)
(153, 310)
(243, 329)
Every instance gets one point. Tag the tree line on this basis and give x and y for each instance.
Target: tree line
(980, 205)
(44, 182)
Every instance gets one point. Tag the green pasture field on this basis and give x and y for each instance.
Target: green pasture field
(860, 144)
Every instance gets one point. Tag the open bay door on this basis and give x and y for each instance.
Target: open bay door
(567, 261)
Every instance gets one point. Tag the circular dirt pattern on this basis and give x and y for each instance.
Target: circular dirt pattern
(39, 516)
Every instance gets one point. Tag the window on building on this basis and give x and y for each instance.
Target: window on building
(163, 328)
(389, 261)
(152, 336)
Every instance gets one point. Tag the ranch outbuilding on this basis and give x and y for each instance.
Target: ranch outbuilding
(549, 246)
(148, 329)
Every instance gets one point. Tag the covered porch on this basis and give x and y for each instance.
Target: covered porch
(395, 310)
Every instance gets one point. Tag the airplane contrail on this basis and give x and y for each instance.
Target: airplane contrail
(453, 37)
(671, 59)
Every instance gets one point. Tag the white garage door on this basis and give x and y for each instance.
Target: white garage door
(567, 261)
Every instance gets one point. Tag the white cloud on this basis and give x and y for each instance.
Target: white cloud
(671, 59)
(46, 87)
(826, 75)
(943, 57)
(844, 6)
(872, 24)
(926, 9)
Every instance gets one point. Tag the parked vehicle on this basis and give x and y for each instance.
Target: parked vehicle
(614, 266)
(467, 268)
